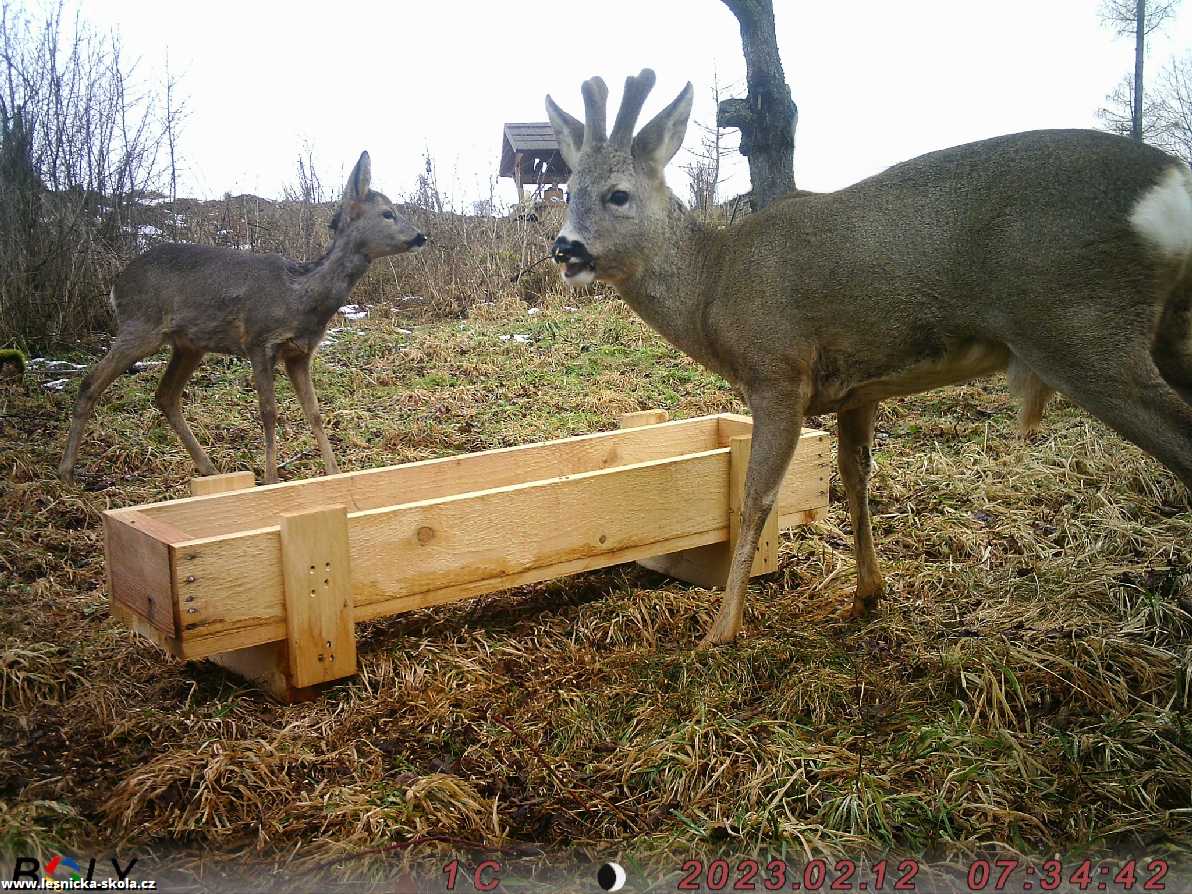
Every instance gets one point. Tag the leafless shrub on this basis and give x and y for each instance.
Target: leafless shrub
(80, 144)
(1117, 115)
(1174, 108)
(1167, 110)
(307, 195)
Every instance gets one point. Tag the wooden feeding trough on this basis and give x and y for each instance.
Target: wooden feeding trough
(270, 581)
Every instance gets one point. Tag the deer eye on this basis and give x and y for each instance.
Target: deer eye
(388, 215)
(618, 197)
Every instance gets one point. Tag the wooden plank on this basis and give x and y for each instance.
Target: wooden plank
(260, 507)
(140, 566)
(237, 639)
(317, 576)
(643, 417)
(448, 548)
(221, 484)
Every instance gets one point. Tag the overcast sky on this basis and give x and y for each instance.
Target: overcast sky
(876, 82)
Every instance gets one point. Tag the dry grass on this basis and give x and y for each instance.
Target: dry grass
(1026, 684)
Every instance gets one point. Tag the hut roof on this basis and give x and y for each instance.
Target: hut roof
(536, 142)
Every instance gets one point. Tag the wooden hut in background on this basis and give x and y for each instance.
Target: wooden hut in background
(530, 156)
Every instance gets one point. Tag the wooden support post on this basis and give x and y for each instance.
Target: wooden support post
(643, 417)
(321, 636)
(708, 566)
(221, 484)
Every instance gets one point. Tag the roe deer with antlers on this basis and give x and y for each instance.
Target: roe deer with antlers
(1063, 255)
(260, 306)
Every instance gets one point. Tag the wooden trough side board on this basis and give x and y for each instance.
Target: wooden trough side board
(269, 581)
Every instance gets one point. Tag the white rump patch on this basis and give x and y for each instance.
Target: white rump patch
(1163, 216)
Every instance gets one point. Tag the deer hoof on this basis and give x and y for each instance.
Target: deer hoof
(716, 636)
(862, 607)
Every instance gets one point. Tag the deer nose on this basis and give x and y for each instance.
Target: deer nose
(417, 241)
(565, 250)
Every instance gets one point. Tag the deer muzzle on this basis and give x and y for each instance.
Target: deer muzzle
(574, 257)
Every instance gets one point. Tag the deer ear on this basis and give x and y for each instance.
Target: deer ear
(657, 142)
(568, 131)
(358, 182)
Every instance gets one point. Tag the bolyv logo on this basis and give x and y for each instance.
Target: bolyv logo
(61, 868)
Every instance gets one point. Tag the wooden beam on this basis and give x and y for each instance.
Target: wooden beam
(316, 570)
(267, 665)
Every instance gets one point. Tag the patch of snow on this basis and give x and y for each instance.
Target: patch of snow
(401, 331)
(354, 311)
(534, 311)
(60, 367)
(146, 232)
(57, 385)
(142, 365)
(571, 310)
(520, 338)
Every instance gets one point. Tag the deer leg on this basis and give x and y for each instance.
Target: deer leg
(854, 459)
(262, 373)
(1031, 391)
(127, 348)
(1125, 390)
(298, 369)
(1173, 347)
(777, 421)
(183, 363)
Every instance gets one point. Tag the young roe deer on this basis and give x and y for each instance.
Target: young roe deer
(1064, 256)
(259, 306)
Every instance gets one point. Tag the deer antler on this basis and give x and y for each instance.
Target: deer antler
(595, 93)
(637, 88)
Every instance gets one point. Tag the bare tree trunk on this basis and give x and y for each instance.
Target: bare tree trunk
(1139, 53)
(767, 116)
